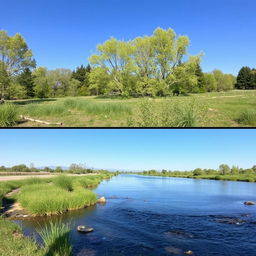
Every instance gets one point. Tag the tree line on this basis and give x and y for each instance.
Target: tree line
(223, 172)
(73, 168)
(156, 65)
(246, 79)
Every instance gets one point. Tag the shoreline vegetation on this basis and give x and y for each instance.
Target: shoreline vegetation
(224, 172)
(35, 196)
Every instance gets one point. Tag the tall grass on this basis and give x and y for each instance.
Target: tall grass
(8, 115)
(56, 239)
(38, 110)
(247, 117)
(48, 199)
(153, 114)
(64, 182)
(98, 108)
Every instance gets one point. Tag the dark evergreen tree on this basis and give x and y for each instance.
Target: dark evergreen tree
(254, 78)
(201, 79)
(82, 75)
(245, 79)
(26, 79)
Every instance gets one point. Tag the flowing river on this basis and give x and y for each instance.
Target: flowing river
(164, 216)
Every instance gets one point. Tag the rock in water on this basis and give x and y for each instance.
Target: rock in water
(249, 203)
(84, 229)
(102, 200)
(189, 252)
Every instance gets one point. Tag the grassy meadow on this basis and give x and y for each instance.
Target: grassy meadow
(217, 109)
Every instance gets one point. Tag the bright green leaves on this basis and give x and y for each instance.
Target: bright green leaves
(145, 65)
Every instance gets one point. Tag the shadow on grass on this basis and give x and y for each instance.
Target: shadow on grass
(30, 101)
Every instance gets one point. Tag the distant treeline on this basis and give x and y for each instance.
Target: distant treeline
(74, 168)
(156, 65)
(224, 172)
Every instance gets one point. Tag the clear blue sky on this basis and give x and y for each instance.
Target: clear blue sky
(129, 149)
(64, 33)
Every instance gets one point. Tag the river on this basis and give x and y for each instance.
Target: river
(164, 216)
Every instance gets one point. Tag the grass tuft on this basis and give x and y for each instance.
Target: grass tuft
(8, 115)
(56, 239)
(247, 117)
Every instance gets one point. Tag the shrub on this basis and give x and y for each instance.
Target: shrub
(8, 115)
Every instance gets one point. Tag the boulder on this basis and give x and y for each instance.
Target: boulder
(249, 203)
(102, 200)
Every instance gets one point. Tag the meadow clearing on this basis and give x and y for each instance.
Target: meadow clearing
(216, 109)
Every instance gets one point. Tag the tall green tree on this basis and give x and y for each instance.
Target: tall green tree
(25, 79)
(42, 86)
(245, 79)
(15, 56)
(201, 83)
(210, 82)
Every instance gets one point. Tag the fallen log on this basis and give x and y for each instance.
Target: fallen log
(38, 121)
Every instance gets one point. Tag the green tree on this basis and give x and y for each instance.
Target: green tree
(224, 169)
(15, 57)
(210, 82)
(201, 83)
(244, 79)
(224, 81)
(25, 79)
(42, 87)
(197, 172)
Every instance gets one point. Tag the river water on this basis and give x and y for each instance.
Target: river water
(164, 216)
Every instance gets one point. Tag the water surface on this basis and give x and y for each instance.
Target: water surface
(164, 216)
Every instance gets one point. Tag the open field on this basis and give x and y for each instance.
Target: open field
(218, 109)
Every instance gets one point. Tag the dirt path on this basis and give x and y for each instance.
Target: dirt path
(22, 177)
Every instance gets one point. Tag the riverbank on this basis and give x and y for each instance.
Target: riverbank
(34, 196)
(231, 177)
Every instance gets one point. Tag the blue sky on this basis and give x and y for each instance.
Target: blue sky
(129, 149)
(64, 33)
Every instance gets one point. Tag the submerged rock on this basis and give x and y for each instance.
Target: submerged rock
(189, 252)
(249, 203)
(231, 221)
(102, 200)
(84, 229)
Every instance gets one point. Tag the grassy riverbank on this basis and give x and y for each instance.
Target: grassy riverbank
(231, 177)
(229, 109)
(45, 197)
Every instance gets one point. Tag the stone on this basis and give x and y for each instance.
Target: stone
(189, 252)
(249, 203)
(102, 200)
(84, 229)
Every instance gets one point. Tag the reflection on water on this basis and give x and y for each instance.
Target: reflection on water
(164, 216)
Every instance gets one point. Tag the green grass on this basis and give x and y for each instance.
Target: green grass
(56, 239)
(208, 109)
(8, 115)
(247, 117)
(12, 242)
(62, 194)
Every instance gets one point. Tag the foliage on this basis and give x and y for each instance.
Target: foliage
(8, 115)
(246, 79)
(56, 239)
(15, 56)
(25, 79)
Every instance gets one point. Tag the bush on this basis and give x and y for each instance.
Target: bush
(8, 115)
(247, 117)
